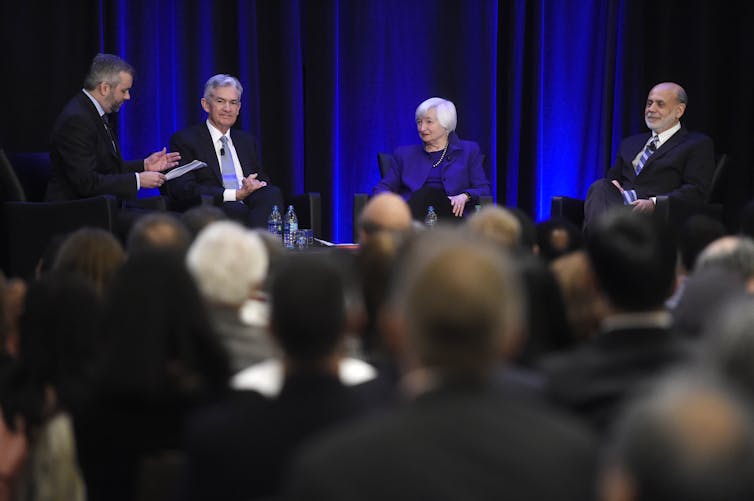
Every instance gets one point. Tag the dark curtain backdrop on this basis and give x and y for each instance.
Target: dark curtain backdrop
(547, 88)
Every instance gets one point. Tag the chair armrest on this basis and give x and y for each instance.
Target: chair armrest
(158, 202)
(359, 202)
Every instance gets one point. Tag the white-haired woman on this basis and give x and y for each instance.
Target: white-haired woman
(444, 171)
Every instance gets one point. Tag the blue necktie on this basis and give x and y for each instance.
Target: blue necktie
(648, 150)
(230, 181)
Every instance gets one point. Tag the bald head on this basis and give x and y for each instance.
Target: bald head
(733, 253)
(665, 106)
(385, 211)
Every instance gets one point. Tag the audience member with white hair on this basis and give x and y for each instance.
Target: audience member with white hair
(230, 263)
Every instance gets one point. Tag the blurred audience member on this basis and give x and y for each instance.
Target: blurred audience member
(584, 304)
(634, 262)
(59, 330)
(160, 361)
(92, 253)
(690, 439)
(734, 253)
(229, 263)
(695, 234)
(497, 225)
(158, 231)
(458, 308)
(557, 237)
(239, 450)
(196, 218)
(385, 211)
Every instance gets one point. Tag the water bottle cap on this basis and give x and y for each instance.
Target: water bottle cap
(431, 207)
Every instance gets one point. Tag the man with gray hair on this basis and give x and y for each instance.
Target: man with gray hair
(233, 178)
(732, 253)
(84, 150)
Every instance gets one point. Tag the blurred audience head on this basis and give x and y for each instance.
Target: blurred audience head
(496, 224)
(458, 304)
(695, 234)
(528, 230)
(158, 232)
(584, 304)
(384, 212)
(556, 237)
(158, 339)
(196, 218)
(308, 311)
(729, 344)
(92, 253)
(59, 333)
(633, 256)
(733, 253)
(690, 439)
(229, 262)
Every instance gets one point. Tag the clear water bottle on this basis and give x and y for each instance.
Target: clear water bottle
(477, 208)
(275, 222)
(430, 221)
(290, 228)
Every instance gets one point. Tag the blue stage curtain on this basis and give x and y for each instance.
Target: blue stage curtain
(547, 88)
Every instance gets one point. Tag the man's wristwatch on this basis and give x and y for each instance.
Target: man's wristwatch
(468, 196)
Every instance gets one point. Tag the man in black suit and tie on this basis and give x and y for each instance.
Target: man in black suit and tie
(233, 177)
(86, 158)
(670, 161)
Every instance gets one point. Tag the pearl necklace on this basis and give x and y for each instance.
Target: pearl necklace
(444, 150)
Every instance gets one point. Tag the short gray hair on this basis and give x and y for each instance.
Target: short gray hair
(106, 68)
(446, 112)
(222, 80)
(733, 253)
(227, 261)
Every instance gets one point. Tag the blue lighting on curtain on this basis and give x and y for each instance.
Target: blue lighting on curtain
(537, 84)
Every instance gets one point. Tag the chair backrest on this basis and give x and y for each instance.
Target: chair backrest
(10, 185)
(719, 178)
(28, 227)
(384, 161)
(33, 171)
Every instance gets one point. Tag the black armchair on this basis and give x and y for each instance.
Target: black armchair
(385, 162)
(27, 226)
(671, 209)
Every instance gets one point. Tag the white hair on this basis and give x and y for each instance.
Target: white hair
(446, 112)
(222, 80)
(228, 262)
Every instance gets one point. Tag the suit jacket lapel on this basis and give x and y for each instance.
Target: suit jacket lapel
(103, 135)
(210, 153)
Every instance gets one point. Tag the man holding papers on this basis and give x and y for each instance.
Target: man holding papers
(233, 177)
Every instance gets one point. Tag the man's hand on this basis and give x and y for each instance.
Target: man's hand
(643, 205)
(151, 179)
(249, 185)
(161, 160)
(459, 203)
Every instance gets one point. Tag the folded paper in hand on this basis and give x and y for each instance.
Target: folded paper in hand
(179, 171)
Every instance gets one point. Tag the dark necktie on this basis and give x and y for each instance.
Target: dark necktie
(650, 148)
(110, 133)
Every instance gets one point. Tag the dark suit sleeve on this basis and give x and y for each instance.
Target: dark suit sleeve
(81, 160)
(697, 163)
(191, 186)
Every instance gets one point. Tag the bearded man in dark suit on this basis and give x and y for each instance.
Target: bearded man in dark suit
(243, 191)
(85, 154)
(668, 161)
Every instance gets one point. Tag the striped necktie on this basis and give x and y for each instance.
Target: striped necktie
(228, 170)
(650, 148)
